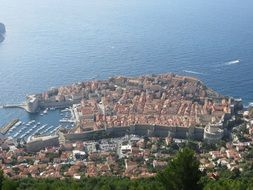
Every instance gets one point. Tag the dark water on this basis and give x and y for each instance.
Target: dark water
(55, 42)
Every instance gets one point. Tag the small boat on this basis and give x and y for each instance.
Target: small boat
(22, 136)
(45, 111)
(66, 120)
(65, 110)
(18, 124)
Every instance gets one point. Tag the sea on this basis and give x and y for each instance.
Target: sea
(50, 43)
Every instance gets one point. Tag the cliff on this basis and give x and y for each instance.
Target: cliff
(2, 28)
(2, 32)
(1, 38)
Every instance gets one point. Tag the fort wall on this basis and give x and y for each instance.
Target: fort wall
(37, 145)
(141, 130)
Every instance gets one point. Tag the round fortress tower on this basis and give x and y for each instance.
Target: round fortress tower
(32, 104)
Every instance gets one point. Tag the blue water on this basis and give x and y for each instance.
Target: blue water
(55, 42)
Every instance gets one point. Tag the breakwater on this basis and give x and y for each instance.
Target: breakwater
(33, 104)
(22, 106)
(8, 126)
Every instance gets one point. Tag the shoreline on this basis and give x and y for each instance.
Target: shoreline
(246, 104)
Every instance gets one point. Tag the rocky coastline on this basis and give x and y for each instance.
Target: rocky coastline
(2, 32)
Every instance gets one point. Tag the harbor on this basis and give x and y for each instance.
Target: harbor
(43, 123)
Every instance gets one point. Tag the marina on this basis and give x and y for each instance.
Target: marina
(39, 124)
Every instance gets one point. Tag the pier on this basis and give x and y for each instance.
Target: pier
(8, 126)
(21, 106)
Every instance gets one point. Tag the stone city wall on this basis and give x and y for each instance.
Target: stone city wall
(141, 130)
(35, 146)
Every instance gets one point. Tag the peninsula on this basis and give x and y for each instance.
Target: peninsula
(166, 99)
(153, 105)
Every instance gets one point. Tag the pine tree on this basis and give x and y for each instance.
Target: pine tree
(182, 173)
(1, 178)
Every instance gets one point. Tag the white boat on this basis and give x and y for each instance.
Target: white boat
(48, 129)
(45, 111)
(15, 135)
(41, 128)
(18, 124)
(44, 125)
(66, 120)
(30, 122)
(55, 129)
(65, 110)
(15, 126)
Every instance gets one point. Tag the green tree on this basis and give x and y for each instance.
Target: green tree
(9, 184)
(228, 184)
(1, 178)
(182, 173)
(227, 174)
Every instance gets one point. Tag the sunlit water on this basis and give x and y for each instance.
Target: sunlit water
(54, 42)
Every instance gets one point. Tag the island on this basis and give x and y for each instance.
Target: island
(2, 31)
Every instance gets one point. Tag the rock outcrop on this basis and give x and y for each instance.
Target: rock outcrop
(2, 32)
(2, 28)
